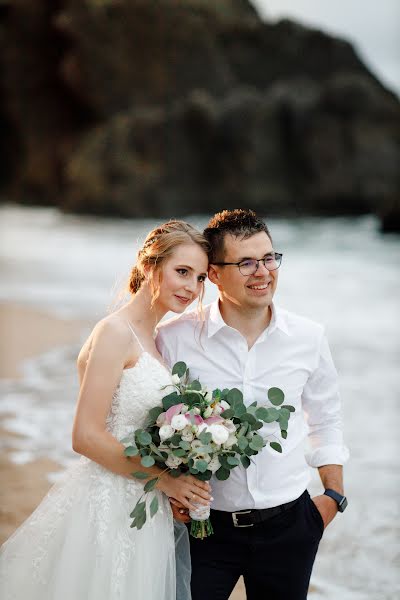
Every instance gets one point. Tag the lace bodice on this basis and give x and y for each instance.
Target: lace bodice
(139, 390)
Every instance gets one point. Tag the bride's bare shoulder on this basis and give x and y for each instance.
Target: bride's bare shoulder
(110, 330)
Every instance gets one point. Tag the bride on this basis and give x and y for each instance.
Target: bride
(78, 545)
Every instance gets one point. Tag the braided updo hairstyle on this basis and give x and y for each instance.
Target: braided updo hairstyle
(159, 245)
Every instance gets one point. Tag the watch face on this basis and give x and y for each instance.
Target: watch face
(343, 504)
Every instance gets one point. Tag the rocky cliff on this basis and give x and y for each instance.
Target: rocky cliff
(165, 107)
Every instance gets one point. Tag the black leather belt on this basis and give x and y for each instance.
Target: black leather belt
(248, 518)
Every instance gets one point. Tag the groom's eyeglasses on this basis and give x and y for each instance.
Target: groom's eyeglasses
(250, 265)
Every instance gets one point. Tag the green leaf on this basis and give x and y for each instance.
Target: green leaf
(289, 407)
(268, 415)
(144, 438)
(147, 461)
(276, 396)
(153, 506)
(195, 385)
(154, 413)
(185, 445)
(201, 466)
(131, 451)
(245, 461)
(239, 409)
(206, 476)
(175, 472)
(252, 409)
(228, 413)
(139, 508)
(179, 369)
(150, 485)
(140, 475)
(284, 434)
(243, 443)
(175, 439)
(171, 400)
(128, 439)
(205, 437)
(222, 474)
(256, 442)
(139, 521)
(248, 418)
(180, 452)
(284, 413)
(255, 426)
(276, 446)
(234, 397)
(233, 461)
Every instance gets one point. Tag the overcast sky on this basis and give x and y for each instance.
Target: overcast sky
(372, 26)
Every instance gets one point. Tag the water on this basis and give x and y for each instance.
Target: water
(341, 272)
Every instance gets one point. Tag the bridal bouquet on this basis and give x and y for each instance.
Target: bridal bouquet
(201, 433)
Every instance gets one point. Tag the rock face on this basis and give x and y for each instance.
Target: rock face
(164, 108)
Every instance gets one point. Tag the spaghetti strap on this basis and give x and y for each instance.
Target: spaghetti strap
(135, 336)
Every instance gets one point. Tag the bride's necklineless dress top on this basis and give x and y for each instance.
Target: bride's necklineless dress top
(78, 544)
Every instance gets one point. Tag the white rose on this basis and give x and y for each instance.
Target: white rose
(160, 419)
(165, 432)
(196, 410)
(217, 410)
(173, 461)
(219, 433)
(201, 428)
(179, 422)
(187, 434)
(230, 441)
(176, 379)
(214, 464)
(208, 412)
(230, 426)
(184, 409)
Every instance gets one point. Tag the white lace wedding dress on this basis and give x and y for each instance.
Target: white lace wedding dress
(78, 544)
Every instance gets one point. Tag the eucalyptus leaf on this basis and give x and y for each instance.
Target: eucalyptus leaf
(234, 397)
(175, 472)
(242, 443)
(144, 438)
(276, 396)
(140, 475)
(201, 465)
(289, 407)
(233, 461)
(284, 434)
(179, 369)
(139, 508)
(205, 437)
(131, 451)
(180, 452)
(185, 445)
(206, 476)
(150, 485)
(228, 413)
(248, 418)
(171, 400)
(153, 506)
(147, 461)
(276, 446)
(154, 413)
(245, 461)
(195, 385)
(222, 474)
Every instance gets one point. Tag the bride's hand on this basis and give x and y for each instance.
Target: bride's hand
(186, 489)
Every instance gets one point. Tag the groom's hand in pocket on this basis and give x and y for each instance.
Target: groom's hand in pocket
(180, 512)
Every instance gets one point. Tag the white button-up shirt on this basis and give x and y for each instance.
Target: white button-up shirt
(292, 353)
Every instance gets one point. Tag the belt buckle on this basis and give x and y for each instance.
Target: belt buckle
(235, 521)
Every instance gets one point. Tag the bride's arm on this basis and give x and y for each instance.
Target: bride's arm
(111, 347)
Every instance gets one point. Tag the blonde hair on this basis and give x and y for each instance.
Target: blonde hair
(158, 246)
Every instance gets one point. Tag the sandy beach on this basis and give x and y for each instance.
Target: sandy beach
(27, 333)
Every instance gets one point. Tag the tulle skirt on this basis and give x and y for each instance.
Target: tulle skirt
(78, 544)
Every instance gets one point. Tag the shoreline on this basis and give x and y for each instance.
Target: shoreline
(27, 332)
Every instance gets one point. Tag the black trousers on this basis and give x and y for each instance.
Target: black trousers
(275, 557)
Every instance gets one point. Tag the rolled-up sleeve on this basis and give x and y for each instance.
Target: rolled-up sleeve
(322, 409)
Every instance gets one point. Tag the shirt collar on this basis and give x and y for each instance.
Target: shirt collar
(216, 322)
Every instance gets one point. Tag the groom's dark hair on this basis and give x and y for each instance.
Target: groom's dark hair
(239, 222)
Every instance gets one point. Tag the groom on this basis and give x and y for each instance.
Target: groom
(266, 527)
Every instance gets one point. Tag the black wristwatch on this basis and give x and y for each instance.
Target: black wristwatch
(340, 500)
